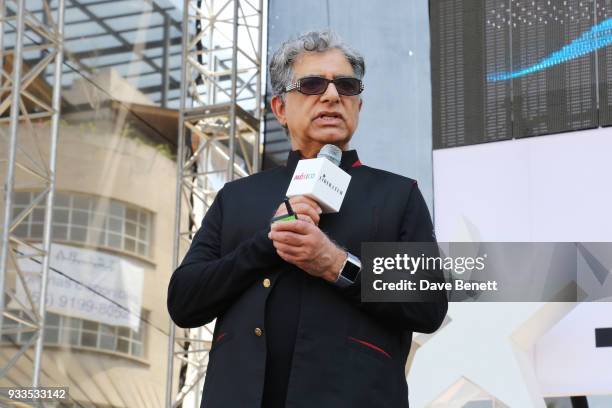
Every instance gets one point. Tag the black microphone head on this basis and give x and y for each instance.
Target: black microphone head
(331, 153)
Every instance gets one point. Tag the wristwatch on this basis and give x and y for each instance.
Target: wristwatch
(349, 271)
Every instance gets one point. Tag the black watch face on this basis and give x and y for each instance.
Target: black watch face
(350, 271)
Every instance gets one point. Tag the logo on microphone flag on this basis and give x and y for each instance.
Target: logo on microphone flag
(303, 176)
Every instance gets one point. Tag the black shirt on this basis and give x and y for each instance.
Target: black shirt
(282, 314)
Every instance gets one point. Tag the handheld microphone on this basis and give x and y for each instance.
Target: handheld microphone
(321, 179)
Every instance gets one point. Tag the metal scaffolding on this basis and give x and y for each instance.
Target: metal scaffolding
(30, 164)
(219, 141)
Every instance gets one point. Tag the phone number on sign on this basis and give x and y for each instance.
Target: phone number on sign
(85, 305)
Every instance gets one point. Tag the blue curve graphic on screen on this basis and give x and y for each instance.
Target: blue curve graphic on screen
(599, 36)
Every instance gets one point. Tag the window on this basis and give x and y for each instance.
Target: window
(97, 221)
(65, 330)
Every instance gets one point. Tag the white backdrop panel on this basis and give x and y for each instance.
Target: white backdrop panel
(549, 188)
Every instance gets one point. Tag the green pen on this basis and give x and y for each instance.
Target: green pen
(290, 216)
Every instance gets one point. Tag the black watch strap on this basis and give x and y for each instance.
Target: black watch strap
(349, 272)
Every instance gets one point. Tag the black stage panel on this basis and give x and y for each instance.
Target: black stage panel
(512, 69)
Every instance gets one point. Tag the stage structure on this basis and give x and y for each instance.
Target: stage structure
(24, 167)
(219, 141)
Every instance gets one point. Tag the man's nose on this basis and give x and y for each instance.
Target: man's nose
(331, 94)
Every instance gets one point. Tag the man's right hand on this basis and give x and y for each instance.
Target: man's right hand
(305, 208)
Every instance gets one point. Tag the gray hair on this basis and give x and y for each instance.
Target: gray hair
(281, 64)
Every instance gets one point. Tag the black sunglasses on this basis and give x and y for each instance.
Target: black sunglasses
(314, 85)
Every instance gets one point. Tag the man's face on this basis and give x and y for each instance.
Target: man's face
(317, 120)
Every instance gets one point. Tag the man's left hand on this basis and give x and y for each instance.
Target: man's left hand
(304, 245)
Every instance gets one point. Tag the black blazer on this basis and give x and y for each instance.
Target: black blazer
(347, 353)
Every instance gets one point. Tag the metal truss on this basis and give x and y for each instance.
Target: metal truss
(30, 163)
(219, 141)
(155, 55)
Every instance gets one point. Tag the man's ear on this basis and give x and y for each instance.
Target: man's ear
(278, 108)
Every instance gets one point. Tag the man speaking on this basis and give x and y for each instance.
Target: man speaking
(291, 329)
